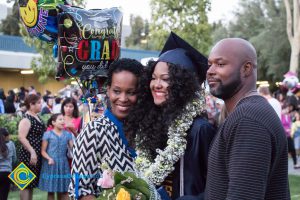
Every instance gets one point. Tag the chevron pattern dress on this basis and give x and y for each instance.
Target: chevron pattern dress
(99, 142)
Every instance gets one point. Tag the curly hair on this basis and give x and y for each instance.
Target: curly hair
(124, 64)
(148, 122)
(3, 148)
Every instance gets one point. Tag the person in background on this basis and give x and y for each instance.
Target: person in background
(57, 105)
(30, 133)
(70, 111)
(55, 144)
(22, 94)
(286, 120)
(75, 95)
(47, 109)
(31, 90)
(9, 105)
(7, 158)
(265, 92)
(295, 134)
(66, 91)
(221, 112)
(2, 101)
(2, 109)
(248, 158)
(47, 94)
(21, 110)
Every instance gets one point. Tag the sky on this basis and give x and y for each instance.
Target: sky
(220, 9)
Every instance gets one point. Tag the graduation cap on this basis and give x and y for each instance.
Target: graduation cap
(179, 52)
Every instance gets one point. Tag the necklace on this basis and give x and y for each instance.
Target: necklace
(33, 115)
(164, 162)
(248, 94)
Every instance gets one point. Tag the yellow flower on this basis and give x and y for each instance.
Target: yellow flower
(123, 195)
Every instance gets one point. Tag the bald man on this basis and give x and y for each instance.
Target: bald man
(248, 158)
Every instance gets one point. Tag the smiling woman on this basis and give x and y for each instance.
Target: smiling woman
(169, 120)
(103, 140)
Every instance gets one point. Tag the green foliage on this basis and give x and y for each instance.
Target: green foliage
(10, 25)
(45, 118)
(139, 33)
(44, 65)
(187, 18)
(129, 182)
(10, 122)
(262, 22)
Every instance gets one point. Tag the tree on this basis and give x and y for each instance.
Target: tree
(261, 22)
(45, 65)
(10, 25)
(187, 18)
(137, 32)
(293, 31)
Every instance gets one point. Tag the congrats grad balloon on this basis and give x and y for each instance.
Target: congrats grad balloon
(89, 40)
(40, 18)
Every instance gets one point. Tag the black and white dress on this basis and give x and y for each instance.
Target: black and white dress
(99, 142)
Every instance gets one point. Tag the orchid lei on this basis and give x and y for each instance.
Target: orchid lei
(176, 144)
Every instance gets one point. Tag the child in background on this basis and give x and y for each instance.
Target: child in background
(55, 174)
(7, 157)
(296, 134)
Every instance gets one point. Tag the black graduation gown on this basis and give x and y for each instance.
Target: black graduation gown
(199, 138)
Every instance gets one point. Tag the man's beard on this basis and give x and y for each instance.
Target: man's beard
(227, 91)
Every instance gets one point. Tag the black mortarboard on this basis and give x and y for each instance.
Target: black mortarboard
(179, 52)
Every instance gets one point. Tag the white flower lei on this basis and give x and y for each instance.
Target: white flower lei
(176, 144)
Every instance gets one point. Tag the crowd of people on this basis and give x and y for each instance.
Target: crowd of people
(232, 143)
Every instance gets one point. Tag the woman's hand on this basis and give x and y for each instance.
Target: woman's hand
(71, 127)
(50, 161)
(33, 158)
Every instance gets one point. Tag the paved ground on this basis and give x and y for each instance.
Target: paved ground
(291, 168)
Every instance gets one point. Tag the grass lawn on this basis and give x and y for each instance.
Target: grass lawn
(37, 195)
(294, 187)
(41, 195)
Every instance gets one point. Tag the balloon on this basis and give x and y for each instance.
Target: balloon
(89, 40)
(291, 80)
(40, 18)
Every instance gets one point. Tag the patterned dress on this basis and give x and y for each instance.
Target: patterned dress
(34, 136)
(56, 178)
(98, 143)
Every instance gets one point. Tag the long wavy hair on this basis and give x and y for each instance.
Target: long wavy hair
(148, 122)
(3, 147)
(71, 100)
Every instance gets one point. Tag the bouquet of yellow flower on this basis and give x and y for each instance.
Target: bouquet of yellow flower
(125, 186)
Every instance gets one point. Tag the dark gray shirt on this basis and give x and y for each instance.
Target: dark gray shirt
(248, 158)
